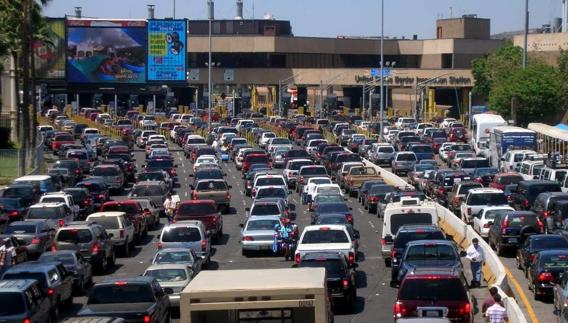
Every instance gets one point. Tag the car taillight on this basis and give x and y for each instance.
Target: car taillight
(505, 225)
(393, 253)
(540, 225)
(159, 245)
(373, 199)
(509, 198)
(26, 320)
(351, 258)
(130, 167)
(349, 218)
(486, 225)
(203, 245)
(61, 223)
(526, 203)
(457, 200)
(248, 238)
(193, 195)
(101, 196)
(345, 283)
(228, 196)
(399, 309)
(301, 179)
(53, 247)
(297, 258)
(87, 201)
(95, 248)
(441, 191)
(147, 319)
(14, 213)
(77, 171)
(533, 257)
(465, 309)
(545, 277)
(36, 240)
(121, 233)
(50, 291)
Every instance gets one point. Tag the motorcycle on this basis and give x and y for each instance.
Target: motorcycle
(286, 246)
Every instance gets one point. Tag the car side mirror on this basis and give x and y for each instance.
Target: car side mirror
(350, 209)
(168, 290)
(190, 175)
(463, 254)
(241, 225)
(357, 235)
(388, 238)
(247, 209)
(224, 174)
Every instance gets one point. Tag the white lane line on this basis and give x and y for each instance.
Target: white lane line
(185, 194)
(360, 209)
(371, 224)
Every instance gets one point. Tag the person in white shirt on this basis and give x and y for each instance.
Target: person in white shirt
(169, 207)
(7, 255)
(476, 257)
(496, 313)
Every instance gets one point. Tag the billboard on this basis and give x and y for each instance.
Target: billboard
(50, 55)
(167, 52)
(101, 51)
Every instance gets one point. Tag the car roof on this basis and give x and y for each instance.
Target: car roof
(263, 217)
(417, 227)
(44, 205)
(436, 242)
(184, 223)
(106, 214)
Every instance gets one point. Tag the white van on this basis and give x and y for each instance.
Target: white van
(511, 160)
(482, 124)
(553, 174)
(407, 211)
(242, 122)
(530, 169)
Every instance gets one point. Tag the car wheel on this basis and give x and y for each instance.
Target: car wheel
(518, 263)
(245, 253)
(535, 293)
(111, 261)
(499, 249)
(126, 249)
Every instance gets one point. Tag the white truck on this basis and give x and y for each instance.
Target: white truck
(482, 124)
(295, 295)
(332, 237)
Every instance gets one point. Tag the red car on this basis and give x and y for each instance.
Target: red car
(457, 135)
(60, 139)
(502, 180)
(255, 159)
(446, 291)
(133, 211)
(204, 211)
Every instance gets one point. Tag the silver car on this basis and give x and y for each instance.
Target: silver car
(257, 234)
(179, 256)
(112, 176)
(382, 154)
(173, 278)
(187, 234)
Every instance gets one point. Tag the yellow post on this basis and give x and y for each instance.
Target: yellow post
(345, 111)
(431, 103)
(300, 110)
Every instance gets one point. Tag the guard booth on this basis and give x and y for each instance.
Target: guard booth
(297, 295)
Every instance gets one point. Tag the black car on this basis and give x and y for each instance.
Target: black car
(527, 191)
(332, 208)
(27, 193)
(536, 243)
(545, 270)
(341, 276)
(365, 189)
(375, 195)
(75, 171)
(97, 188)
(129, 165)
(409, 233)
(81, 197)
(544, 206)
(34, 234)
(484, 175)
(511, 229)
(136, 299)
(13, 207)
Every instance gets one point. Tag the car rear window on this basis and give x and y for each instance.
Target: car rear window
(196, 209)
(313, 171)
(271, 192)
(129, 208)
(487, 199)
(12, 303)
(397, 220)
(333, 267)
(406, 157)
(172, 257)
(431, 252)
(439, 289)
(53, 200)
(160, 163)
(521, 220)
(402, 238)
(147, 190)
(121, 293)
(257, 159)
(20, 229)
(265, 209)
(154, 176)
(167, 274)
(105, 171)
(386, 150)
(298, 165)
(40, 277)
(108, 222)
(211, 186)
(422, 149)
(181, 234)
(257, 225)
(550, 243)
(44, 213)
(475, 163)
(74, 236)
(554, 261)
(196, 141)
(325, 236)
(270, 181)
(534, 190)
(64, 138)
(64, 258)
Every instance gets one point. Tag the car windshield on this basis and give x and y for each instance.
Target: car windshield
(12, 303)
(167, 275)
(423, 167)
(108, 222)
(211, 186)
(173, 257)
(431, 252)
(313, 171)
(64, 258)
(74, 235)
(265, 209)
(258, 225)
(147, 190)
(439, 289)
(20, 229)
(487, 199)
(181, 234)
(44, 213)
(333, 267)
(270, 181)
(325, 235)
(121, 293)
(554, 261)
(397, 220)
(271, 192)
(406, 157)
(196, 209)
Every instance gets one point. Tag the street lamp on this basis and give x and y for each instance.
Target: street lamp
(382, 66)
(391, 65)
(211, 11)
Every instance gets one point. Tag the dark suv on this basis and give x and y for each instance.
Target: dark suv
(434, 293)
(527, 191)
(544, 205)
(510, 230)
(341, 283)
(92, 241)
(24, 301)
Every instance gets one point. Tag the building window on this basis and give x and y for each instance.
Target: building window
(447, 60)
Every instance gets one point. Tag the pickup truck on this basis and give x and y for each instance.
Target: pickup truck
(326, 238)
(136, 299)
(213, 189)
(357, 175)
(204, 211)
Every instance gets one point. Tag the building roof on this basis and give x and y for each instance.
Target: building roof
(550, 131)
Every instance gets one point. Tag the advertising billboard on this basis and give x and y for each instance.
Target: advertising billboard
(167, 52)
(102, 51)
(50, 55)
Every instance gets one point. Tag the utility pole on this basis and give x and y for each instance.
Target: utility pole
(321, 99)
(525, 47)
(211, 13)
(382, 106)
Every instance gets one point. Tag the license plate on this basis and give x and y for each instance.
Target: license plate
(513, 240)
(436, 313)
(457, 180)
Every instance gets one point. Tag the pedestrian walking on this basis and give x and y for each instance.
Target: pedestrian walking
(496, 313)
(489, 301)
(7, 256)
(169, 207)
(476, 257)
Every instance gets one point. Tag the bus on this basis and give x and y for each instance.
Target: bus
(503, 139)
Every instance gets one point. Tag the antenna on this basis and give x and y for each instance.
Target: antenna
(451, 12)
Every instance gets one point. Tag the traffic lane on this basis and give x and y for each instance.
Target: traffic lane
(375, 296)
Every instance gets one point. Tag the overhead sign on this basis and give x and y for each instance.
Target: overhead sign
(167, 50)
(376, 72)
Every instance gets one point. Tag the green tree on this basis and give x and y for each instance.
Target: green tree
(495, 67)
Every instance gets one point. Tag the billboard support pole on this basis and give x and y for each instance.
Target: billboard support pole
(115, 104)
(77, 99)
(153, 103)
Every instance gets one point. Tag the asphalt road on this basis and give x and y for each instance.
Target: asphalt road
(375, 298)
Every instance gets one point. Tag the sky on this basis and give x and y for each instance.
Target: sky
(332, 18)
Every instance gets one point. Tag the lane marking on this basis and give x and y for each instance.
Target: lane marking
(371, 224)
(522, 295)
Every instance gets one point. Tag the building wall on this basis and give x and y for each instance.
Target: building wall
(465, 28)
(544, 46)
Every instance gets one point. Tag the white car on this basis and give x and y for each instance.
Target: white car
(333, 189)
(446, 122)
(312, 145)
(61, 197)
(480, 198)
(268, 180)
(403, 122)
(148, 123)
(263, 141)
(173, 133)
(443, 153)
(205, 159)
(326, 238)
(483, 219)
(157, 137)
(309, 188)
(512, 159)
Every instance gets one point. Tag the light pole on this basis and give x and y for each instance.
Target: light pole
(174, 9)
(327, 86)
(525, 47)
(382, 67)
(392, 64)
(211, 10)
